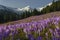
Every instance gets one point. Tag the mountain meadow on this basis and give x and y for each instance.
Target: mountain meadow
(32, 24)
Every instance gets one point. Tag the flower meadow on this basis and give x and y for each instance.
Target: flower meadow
(47, 29)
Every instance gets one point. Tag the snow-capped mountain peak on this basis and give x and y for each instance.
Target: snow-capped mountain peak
(49, 4)
(27, 8)
(20, 10)
(41, 8)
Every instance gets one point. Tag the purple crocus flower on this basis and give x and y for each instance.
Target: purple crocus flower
(39, 38)
(58, 32)
(30, 37)
(55, 38)
(6, 33)
(1, 36)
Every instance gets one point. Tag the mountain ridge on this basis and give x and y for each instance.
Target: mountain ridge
(27, 8)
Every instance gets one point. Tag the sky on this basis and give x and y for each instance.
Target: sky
(24, 3)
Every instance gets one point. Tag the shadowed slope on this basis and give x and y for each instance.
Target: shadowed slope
(36, 18)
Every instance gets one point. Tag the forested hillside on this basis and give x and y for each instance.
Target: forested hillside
(7, 16)
(54, 7)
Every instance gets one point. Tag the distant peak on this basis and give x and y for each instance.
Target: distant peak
(49, 4)
(41, 8)
(27, 8)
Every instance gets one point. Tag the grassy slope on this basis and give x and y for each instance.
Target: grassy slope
(35, 18)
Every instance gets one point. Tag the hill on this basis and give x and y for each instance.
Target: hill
(35, 18)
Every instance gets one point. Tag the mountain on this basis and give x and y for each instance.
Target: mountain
(21, 10)
(9, 9)
(2, 7)
(41, 8)
(5, 8)
(27, 8)
(10, 14)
